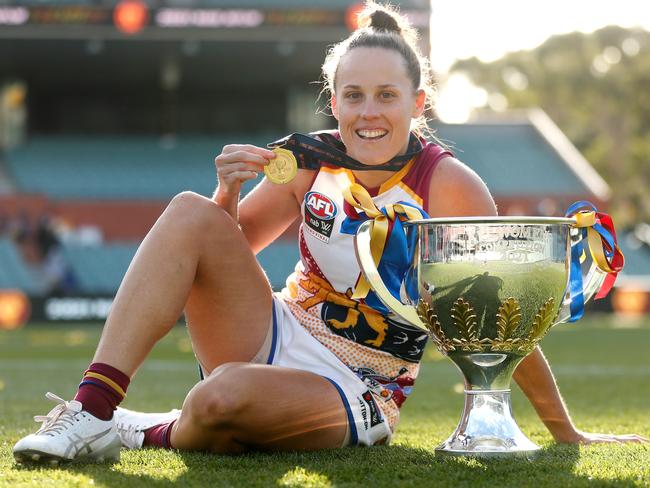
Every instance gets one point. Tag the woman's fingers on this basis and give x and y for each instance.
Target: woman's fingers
(593, 438)
(244, 153)
(227, 169)
(243, 175)
(249, 148)
(241, 162)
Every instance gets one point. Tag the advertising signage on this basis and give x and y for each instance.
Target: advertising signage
(131, 17)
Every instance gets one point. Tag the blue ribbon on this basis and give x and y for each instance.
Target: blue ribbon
(578, 254)
(396, 258)
(576, 290)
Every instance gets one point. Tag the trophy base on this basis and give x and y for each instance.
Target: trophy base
(487, 429)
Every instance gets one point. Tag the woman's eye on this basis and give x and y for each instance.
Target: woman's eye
(387, 95)
(353, 95)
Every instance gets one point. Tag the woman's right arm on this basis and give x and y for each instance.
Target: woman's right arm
(236, 164)
(268, 209)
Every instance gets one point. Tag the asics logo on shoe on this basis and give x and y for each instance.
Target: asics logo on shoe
(78, 443)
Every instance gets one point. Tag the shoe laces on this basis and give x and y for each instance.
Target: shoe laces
(131, 435)
(60, 417)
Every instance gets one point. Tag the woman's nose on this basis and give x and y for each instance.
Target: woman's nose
(370, 110)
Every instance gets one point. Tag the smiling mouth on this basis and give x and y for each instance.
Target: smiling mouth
(371, 135)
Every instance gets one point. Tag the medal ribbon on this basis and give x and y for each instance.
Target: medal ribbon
(357, 196)
(598, 229)
(312, 153)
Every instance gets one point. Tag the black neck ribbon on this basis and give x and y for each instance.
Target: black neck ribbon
(312, 152)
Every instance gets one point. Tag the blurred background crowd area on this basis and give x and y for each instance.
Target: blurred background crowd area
(110, 108)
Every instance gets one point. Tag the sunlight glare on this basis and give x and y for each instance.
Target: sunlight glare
(458, 97)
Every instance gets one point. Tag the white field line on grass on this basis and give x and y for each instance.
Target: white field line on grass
(191, 366)
(41, 363)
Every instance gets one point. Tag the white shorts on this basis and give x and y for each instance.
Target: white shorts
(293, 347)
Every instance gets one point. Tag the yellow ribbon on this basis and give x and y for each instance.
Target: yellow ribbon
(357, 196)
(588, 220)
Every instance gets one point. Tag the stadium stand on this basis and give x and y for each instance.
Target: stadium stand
(513, 159)
(14, 272)
(101, 180)
(279, 261)
(64, 167)
(107, 178)
(100, 269)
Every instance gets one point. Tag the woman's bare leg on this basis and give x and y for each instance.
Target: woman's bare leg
(195, 257)
(243, 406)
(194, 254)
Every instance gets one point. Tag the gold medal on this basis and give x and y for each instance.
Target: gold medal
(283, 168)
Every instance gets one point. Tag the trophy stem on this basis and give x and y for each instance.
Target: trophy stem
(487, 428)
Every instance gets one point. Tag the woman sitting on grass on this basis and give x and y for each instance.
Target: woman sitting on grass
(310, 367)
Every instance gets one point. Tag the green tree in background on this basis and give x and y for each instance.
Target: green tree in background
(596, 87)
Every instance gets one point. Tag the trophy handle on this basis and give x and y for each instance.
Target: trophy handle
(592, 281)
(369, 270)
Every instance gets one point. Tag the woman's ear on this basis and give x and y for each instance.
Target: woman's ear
(335, 109)
(420, 101)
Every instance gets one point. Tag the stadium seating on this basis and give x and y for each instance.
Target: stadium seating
(65, 168)
(279, 260)
(14, 273)
(109, 168)
(98, 270)
(100, 168)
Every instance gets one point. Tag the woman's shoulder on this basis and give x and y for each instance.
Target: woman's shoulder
(452, 171)
(457, 190)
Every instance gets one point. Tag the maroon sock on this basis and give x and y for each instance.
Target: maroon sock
(102, 389)
(159, 435)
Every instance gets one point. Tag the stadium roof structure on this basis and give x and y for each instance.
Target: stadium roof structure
(525, 160)
(75, 57)
(195, 19)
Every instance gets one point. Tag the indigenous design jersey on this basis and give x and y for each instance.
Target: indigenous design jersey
(383, 351)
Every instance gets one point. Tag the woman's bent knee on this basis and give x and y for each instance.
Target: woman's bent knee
(191, 204)
(194, 212)
(216, 401)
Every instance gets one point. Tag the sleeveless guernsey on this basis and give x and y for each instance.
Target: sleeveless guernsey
(383, 351)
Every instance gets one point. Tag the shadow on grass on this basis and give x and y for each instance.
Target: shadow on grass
(377, 466)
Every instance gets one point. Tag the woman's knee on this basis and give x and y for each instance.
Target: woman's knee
(196, 214)
(216, 401)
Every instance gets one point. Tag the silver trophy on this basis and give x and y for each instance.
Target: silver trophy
(487, 290)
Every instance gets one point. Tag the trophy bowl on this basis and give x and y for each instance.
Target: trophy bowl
(487, 290)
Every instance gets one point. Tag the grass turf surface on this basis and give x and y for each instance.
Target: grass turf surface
(601, 364)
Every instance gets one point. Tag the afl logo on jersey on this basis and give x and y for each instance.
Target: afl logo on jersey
(320, 214)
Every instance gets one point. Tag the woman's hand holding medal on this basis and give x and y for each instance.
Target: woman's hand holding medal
(238, 163)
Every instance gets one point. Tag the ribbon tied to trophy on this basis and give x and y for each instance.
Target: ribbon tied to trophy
(597, 228)
(389, 247)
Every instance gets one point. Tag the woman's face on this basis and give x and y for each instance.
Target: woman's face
(374, 103)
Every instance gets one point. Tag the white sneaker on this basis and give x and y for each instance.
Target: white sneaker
(131, 425)
(69, 433)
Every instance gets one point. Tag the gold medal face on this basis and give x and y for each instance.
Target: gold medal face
(283, 168)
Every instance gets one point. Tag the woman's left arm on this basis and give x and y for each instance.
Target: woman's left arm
(534, 377)
(457, 191)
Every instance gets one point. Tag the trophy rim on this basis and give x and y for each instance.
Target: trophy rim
(494, 220)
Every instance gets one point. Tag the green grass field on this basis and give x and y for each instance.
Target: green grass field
(601, 363)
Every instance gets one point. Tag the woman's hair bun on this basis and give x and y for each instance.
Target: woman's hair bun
(382, 20)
